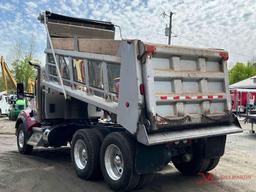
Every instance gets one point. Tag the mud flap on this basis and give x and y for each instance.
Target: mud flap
(149, 159)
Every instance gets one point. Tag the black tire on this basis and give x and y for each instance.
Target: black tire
(145, 180)
(213, 163)
(25, 148)
(92, 143)
(193, 167)
(199, 163)
(101, 133)
(196, 164)
(128, 179)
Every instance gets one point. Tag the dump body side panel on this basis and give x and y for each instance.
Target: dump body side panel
(130, 98)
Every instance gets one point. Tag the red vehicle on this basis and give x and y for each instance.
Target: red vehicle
(242, 99)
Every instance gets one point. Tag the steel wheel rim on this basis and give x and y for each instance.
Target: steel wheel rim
(114, 163)
(80, 154)
(21, 139)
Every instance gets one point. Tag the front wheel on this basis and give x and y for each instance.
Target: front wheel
(117, 162)
(22, 139)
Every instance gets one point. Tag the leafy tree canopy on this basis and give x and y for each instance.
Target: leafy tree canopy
(241, 71)
(23, 71)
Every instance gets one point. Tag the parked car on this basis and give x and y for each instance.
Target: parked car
(4, 105)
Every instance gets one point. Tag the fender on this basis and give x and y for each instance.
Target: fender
(27, 120)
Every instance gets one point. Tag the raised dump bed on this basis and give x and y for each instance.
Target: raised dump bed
(171, 87)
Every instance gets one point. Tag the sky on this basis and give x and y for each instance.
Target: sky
(226, 24)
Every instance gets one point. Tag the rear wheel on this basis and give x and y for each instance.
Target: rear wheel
(85, 152)
(213, 163)
(193, 167)
(144, 180)
(101, 133)
(197, 163)
(117, 161)
(22, 139)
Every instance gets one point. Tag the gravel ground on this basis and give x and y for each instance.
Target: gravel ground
(51, 169)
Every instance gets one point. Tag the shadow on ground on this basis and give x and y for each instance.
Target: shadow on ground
(54, 168)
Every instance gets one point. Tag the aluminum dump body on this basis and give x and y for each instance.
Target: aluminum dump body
(158, 93)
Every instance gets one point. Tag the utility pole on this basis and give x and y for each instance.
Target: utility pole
(170, 29)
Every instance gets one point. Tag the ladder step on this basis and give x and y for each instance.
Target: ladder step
(35, 139)
(38, 129)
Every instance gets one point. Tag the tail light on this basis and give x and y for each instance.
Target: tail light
(142, 89)
(224, 55)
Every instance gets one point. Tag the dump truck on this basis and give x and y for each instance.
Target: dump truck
(126, 107)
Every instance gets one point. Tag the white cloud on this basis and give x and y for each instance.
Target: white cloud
(6, 7)
(76, 2)
(31, 5)
(220, 24)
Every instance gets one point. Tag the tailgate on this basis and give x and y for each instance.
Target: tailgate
(186, 86)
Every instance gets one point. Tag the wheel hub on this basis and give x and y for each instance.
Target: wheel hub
(21, 139)
(114, 162)
(117, 160)
(80, 154)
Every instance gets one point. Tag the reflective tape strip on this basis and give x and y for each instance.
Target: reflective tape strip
(163, 97)
(199, 97)
(176, 97)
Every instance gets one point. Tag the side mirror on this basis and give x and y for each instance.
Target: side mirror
(20, 91)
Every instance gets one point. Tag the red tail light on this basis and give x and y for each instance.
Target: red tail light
(142, 89)
(150, 49)
(224, 55)
(127, 104)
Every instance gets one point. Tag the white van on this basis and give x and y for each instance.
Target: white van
(4, 105)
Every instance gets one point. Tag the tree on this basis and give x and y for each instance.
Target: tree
(241, 71)
(22, 53)
(23, 71)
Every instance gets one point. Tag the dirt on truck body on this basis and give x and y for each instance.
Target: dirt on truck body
(127, 107)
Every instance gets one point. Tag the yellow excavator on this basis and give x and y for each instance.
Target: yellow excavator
(6, 72)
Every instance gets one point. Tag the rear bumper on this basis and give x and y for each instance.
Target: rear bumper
(178, 135)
